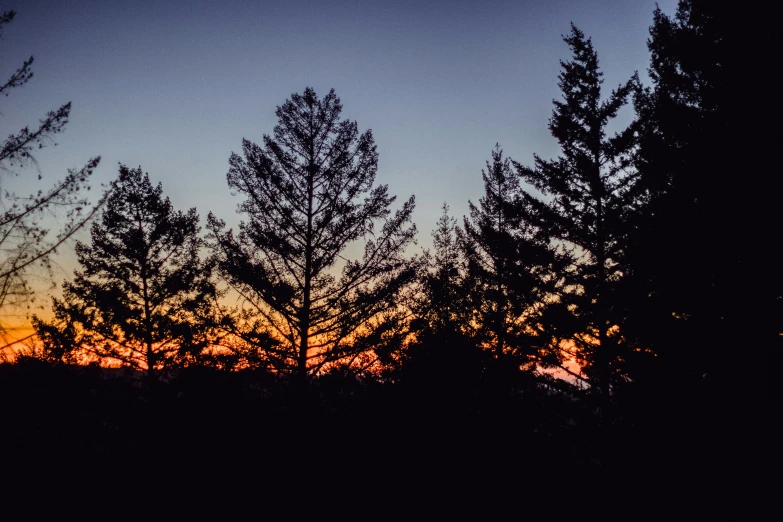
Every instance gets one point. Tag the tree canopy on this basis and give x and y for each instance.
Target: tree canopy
(511, 269)
(310, 193)
(701, 254)
(586, 195)
(143, 296)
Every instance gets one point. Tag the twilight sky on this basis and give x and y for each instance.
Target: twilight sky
(174, 86)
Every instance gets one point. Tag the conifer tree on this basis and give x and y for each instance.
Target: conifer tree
(442, 361)
(510, 270)
(310, 194)
(443, 304)
(587, 195)
(704, 267)
(440, 306)
(142, 296)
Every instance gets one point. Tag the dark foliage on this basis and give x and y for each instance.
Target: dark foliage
(310, 194)
(206, 437)
(703, 262)
(441, 304)
(511, 272)
(641, 247)
(142, 297)
(587, 196)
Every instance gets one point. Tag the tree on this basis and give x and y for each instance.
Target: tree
(142, 297)
(442, 302)
(511, 270)
(707, 283)
(589, 195)
(27, 239)
(442, 355)
(310, 195)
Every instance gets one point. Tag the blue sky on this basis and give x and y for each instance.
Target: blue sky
(174, 86)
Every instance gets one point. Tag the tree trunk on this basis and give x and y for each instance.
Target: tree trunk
(303, 343)
(304, 321)
(602, 358)
(147, 324)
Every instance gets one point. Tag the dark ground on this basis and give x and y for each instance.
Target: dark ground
(83, 441)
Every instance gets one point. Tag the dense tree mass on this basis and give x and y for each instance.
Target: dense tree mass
(511, 270)
(710, 209)
(646, 255)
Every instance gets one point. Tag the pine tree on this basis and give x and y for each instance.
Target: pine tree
(142, 297)
(442, 327)
(705, 270)
(442, 303)
(510, 270)
(442, 361)
(588, 192)
(310, 194)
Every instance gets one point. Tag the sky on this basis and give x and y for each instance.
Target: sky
(174, 86)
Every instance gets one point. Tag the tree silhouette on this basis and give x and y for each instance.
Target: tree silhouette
(510, 269)
(310, 195)
(27, 239)
(589, 194)
(442, 303)
(442, 356)
(708, 287)
(142, 297)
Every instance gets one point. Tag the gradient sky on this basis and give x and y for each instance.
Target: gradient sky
(174, 86)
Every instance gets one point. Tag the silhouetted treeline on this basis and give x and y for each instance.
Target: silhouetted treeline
(638, 264)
